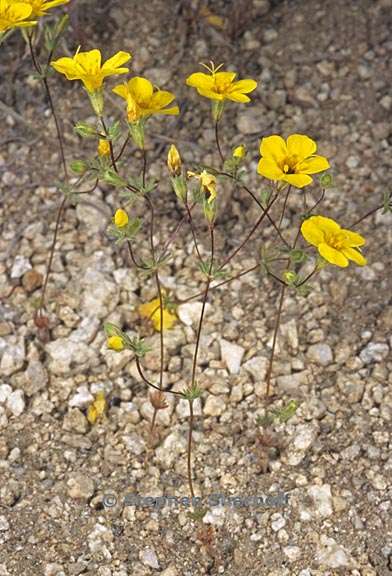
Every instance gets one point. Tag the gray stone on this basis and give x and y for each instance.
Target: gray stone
(320, 354)
(322, 500)
(20, 266)
(80, 486)
(149, 558)
(13, 357)
(331, 554)
(189, 313)
(374, 352)
(214, 406)
(232, 355)
(16, 403)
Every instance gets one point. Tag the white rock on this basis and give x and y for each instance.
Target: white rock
(322, 500)
(13, 357)
(134, 443)
(16, 403)
(149, 558)
(257, 368)
(374, 352)
(182, 408)
(173, 445)
(82, 398)
(4, 524)
(5, 391)
(277, 521)
(80, 486)
(332, 555)
(66, 354)
(320, 354)
(86, 331)
(293, 553)
(126, 279)
(214, 406)
(20, 266)
(100, 294)
(305, 435)
(189, 313)
(232, 355)
(215, 516)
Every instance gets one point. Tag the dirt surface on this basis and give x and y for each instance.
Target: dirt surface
(324, 69)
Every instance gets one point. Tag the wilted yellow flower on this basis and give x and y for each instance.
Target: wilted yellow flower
(142, 101)
(174, 161)
(221, 85)
(103, 148)
(14, 15)
(335, 244)
(115, 343)
(290, 161)
(87, 67)
(97, 408)
(239, 152)
(152, 311)
(120, 218)
(40, 7)
(207, 182)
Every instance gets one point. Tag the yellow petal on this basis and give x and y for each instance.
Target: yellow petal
(200, 80)
(90, 61)
(298, 180)
(116, 61)
(312, 165)
(301, 146)
(210, 94)
(244, 86)
(311, 232)
(121, 90)
(66, 66)
(237, 97)
(353, 238)
(141, 89)
(160, 99)
(332, 255)
(92, 414)
(224, 79)
(354, 255)
(327, 225)
(274, 148)
(174, 111)
(269, 169)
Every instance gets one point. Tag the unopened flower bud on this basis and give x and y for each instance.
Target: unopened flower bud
(120, 218)
(103, 148)
(239, 152)
(115, 343)
(174, 161)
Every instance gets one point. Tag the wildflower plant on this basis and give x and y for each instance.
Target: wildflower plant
(287, 167)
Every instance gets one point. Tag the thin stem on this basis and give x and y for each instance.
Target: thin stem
(133, 258)
(254, 197)
(51, 255)
(112, 158)
(277, 323)
(144, 167)
(370, 213)
(189, 450)
(174, 234)
(284, 206)
(145, 379)
(193, 231)
(218, 142)
(159, 288)
(38, 69)
(249, 235)
(123, 147)
(220, 284)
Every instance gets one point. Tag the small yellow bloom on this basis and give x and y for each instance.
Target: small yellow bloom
(103, 148)
(120, 218)
(207, 182)
(14, 15)
(152, 311)
(174, 161)
(290, 161)
(88, 67)
(221, 85)
(142, 101)
(115, 343)
(335, 244)
(239, 152)
(40, 7)
(97, 408)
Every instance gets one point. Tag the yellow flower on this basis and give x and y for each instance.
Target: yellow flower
(239, 152)
(120, 218)
(152, 311)
(142, 101)
(221, 85)
(97, 408)
(115, 343)
(174, 161)
(40, 7)
(103, 148)
(335, 244)
(14, 15)
(87, 67)
(290, 161)
(207, 182)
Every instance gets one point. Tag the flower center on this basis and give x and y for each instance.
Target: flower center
(336, 240)
(222, 86)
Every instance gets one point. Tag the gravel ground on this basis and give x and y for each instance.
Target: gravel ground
(324, 69)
